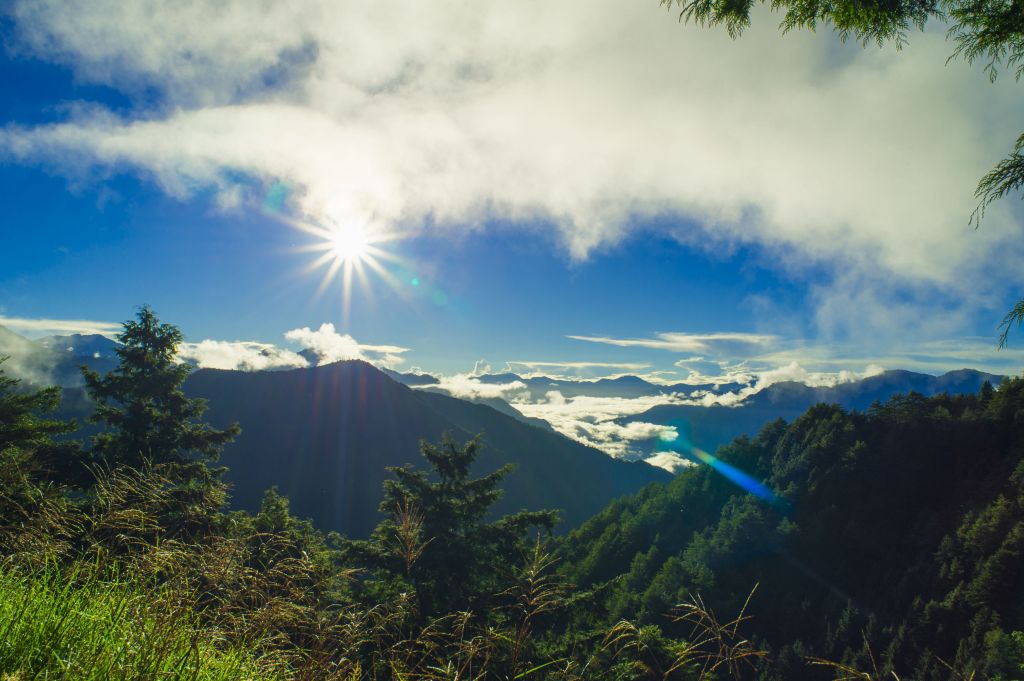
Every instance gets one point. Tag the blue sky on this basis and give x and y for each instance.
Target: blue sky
(539, 180)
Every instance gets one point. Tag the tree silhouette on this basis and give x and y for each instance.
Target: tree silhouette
(149, 420)
(33, 464)
(437, 535)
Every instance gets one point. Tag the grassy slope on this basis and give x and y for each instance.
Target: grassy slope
(56, 626)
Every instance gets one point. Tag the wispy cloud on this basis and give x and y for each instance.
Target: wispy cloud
(480, 367)
(471, 111)
(731, 357)
(685, 342)
(620, 366)
(34, 328)
(927, 356)
(571, 369)
(760, 380)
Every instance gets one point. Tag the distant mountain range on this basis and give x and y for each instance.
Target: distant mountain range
(78, 345)
(537, 387)
(708, 427)
(325, 435)
(56, 360)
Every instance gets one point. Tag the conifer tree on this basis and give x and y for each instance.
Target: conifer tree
(437, 535)
(32, 462)
(149, 420)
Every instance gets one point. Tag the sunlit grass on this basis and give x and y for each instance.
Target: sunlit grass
(74, 626)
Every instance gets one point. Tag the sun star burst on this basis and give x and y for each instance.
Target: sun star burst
(350, 253)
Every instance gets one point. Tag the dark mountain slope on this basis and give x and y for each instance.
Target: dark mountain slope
(500, 405)
(324, 436)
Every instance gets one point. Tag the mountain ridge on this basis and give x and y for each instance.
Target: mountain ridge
(325, 435)
(709, 426)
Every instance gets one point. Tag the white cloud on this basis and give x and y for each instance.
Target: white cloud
(670, 461)
(685, 342)
(591, 420)
(749, 358)
(325, 342)
(590, 117)
(768, 377)
(700, 371)
(935, 356)
(467, 386)
(26, 360)
(576, 370)
(239, 355)
(45, 327)
(480, 367)
(816, 379)
(331, 346)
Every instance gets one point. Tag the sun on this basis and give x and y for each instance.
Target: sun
(349, 254)
(349, 245)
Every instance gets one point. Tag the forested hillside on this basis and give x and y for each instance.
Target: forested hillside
(846, 545)
(900, 529)
(120, 560)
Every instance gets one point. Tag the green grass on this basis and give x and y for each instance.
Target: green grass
(56, 626)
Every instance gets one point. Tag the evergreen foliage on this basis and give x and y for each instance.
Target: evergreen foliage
(148, 420)
(904, 535)
(437, 537)
(898, 553)
(35, 466)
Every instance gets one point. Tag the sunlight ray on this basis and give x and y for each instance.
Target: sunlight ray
(329, 275)
(346, 291)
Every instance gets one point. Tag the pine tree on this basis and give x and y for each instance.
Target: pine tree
(149, 421)
(437, 536)
(32, 463)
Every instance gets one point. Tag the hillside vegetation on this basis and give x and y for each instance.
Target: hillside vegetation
(884, 544)
(899, 530)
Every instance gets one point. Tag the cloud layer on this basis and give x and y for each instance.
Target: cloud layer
(240, 355)
(33, 327)
(591, 118)
(591, 420)
(323, 345)
(469, 387)
(686, 342)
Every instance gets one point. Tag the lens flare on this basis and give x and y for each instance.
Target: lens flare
(733, 474)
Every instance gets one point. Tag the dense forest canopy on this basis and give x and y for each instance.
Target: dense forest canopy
(902, 524)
